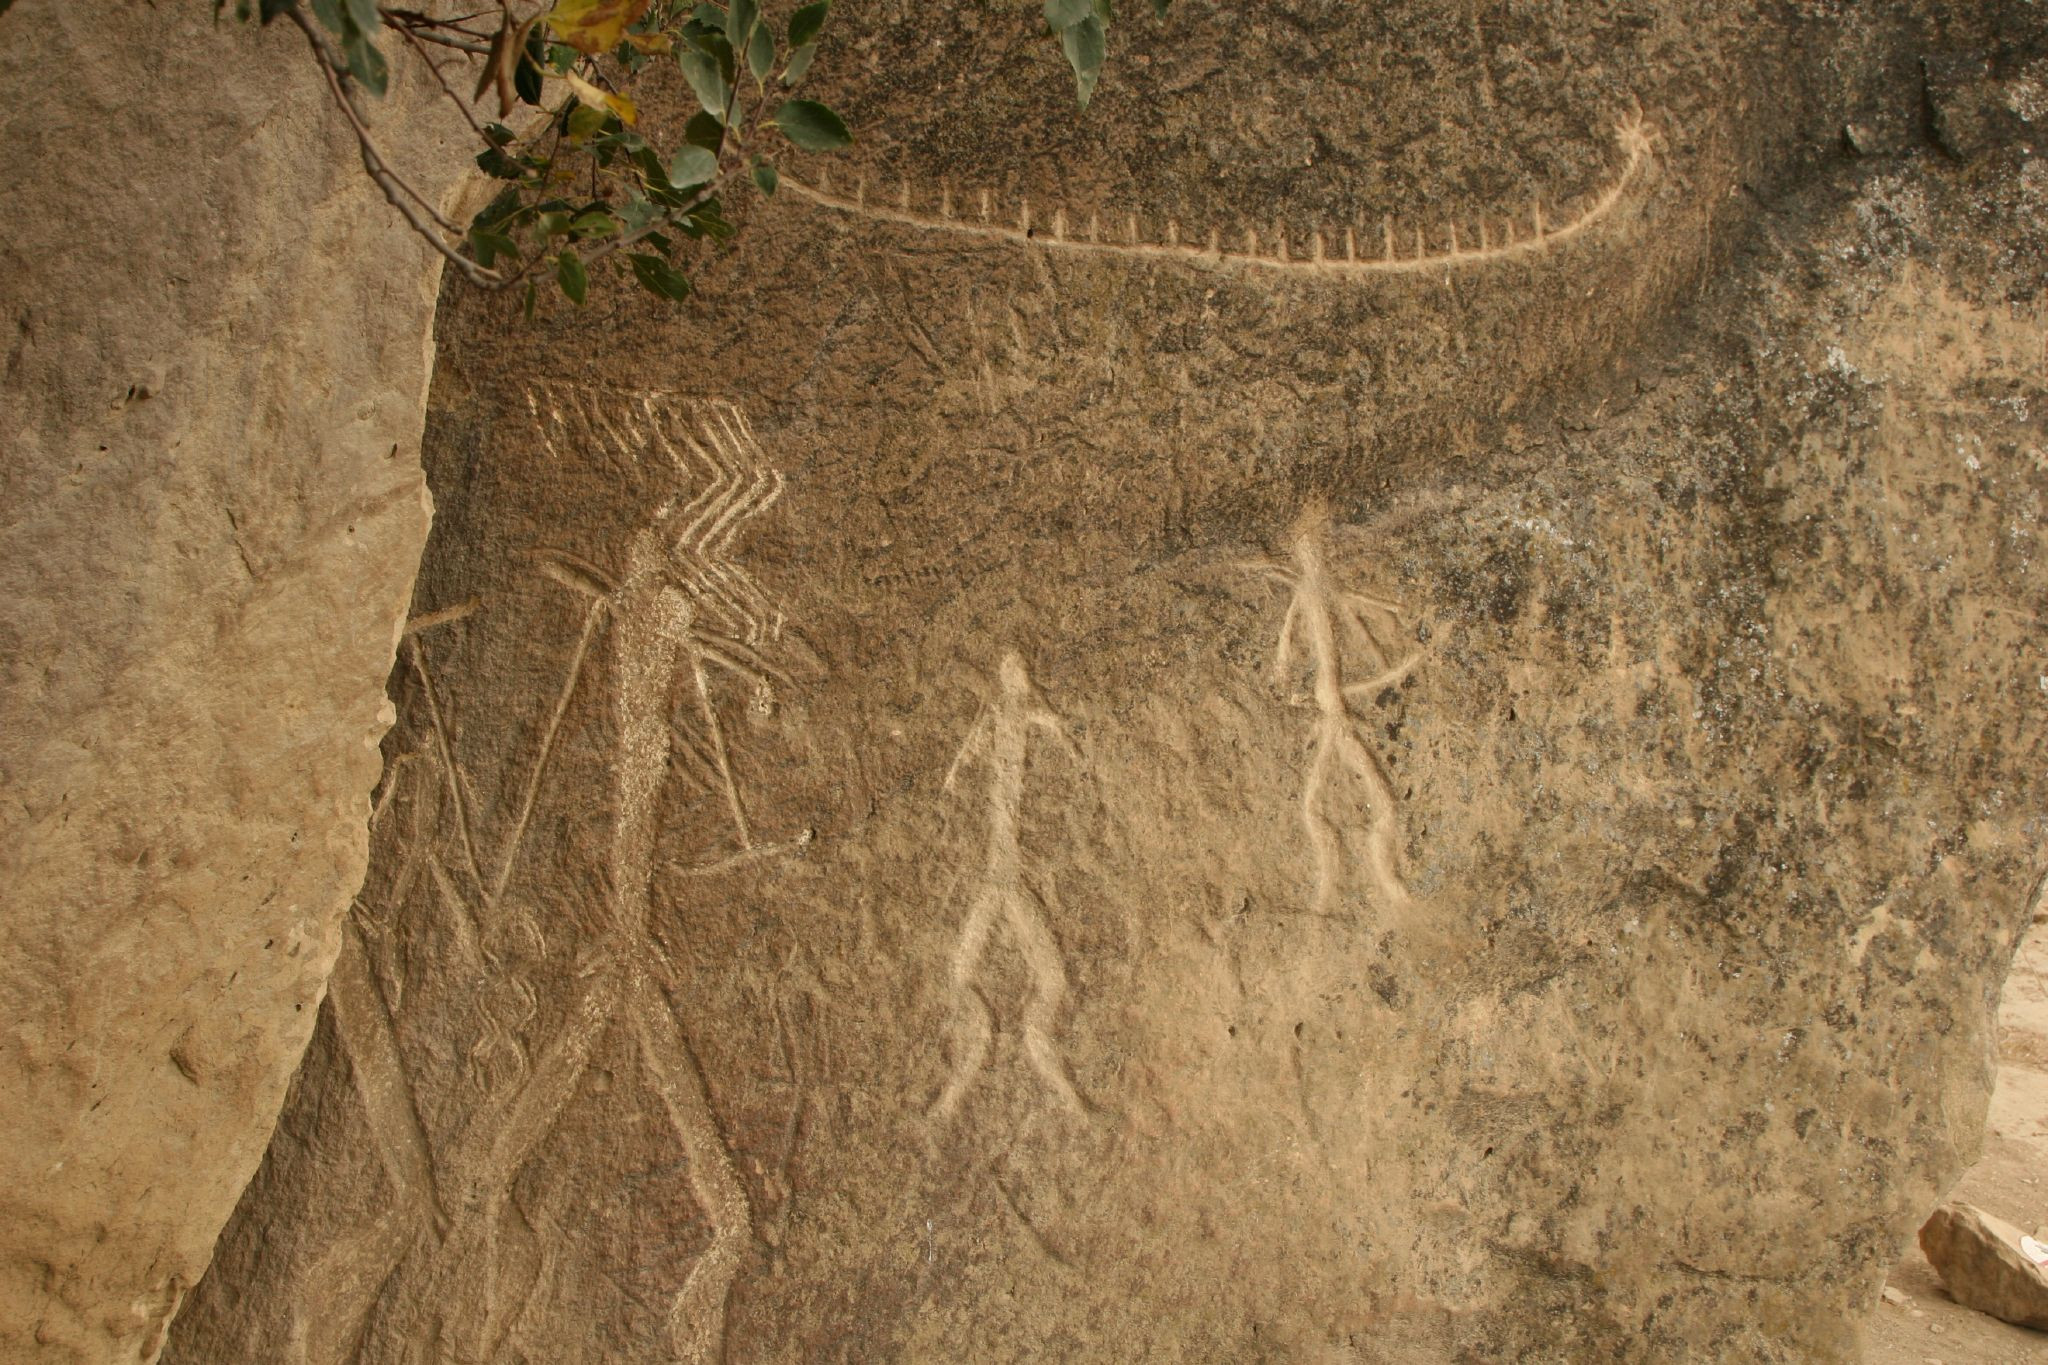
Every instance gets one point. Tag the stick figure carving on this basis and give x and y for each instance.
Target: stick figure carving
(1327, 617)
(678, 609)
(1009, 894)
(678, 572)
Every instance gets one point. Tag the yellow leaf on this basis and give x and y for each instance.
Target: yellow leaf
(594, 26)
(596, 98)
(651, 42)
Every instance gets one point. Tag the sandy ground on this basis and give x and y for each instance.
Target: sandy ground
(2011, 1180)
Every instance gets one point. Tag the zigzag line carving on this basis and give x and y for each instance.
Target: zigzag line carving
(707, 441)
(1349, 253)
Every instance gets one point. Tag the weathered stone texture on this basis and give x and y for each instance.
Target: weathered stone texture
(976, 797)
(211, 386)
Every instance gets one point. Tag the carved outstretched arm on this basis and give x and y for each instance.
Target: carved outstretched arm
(1046, 720)
(1284, 654)
(975, 744)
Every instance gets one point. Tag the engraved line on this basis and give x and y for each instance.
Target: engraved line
(591, 616)
(1633, 137)
(696, 1317)
(1001, 735)
(442, 742)
(442, 617)
(372, 1050)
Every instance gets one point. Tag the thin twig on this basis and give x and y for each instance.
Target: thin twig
(418, 29)
(481, 49)
(436, 30)
(395, 190)
(628, 239)
(446, 89)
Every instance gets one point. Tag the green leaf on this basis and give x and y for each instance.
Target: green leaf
(550, 225)
(328, 12)
(761, 54)
(806, 23)
(498, 134)
(574, 279)
(531, 295)
(1084, 45)
(526, 77)
(706, 74)
(799, 63)
(365, 63)
(499, 209)
(659, 277)
(363, 14)
(585, 121)
(692, 166)
(493, 162)
(1159, 8)
(811, 126)
(711, 16)
(489, 246)
(704, 130)
(765, 177)
(596, 223)
(1064, 14)
(638, 211)
(706, 220)
(740, 18)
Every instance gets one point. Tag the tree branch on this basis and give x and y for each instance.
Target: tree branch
(413, 23)
(446, 89)
(400, 195)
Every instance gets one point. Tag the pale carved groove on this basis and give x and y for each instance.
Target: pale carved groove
(425, 1255)
(1009, 894)
(1342, 253)
(1322, 615)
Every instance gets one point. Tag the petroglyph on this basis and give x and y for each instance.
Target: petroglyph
(707, 449)
(679, 577)
(1326, 617)
(1338, 252)
(1007, 894)
(678, 611)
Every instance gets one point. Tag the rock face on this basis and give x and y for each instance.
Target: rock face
(1013, 786)
(210, 515)
(1982, 1263)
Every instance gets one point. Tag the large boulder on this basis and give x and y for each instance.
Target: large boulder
(1013, 785)
(1987, 1265)
(211, 509)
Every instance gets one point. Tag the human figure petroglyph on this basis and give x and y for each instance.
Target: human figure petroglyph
(673, 567)
(678, 568)
(1009, 894)
(678, 612)
(1520, 234)
(1322, 614)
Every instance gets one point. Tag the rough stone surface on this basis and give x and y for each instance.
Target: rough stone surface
(1980, 1261)
(985, 794)
(212, 382)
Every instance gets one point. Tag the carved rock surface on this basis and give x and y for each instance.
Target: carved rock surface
(1004, 789)
(1981, 1262)
(210, 514)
